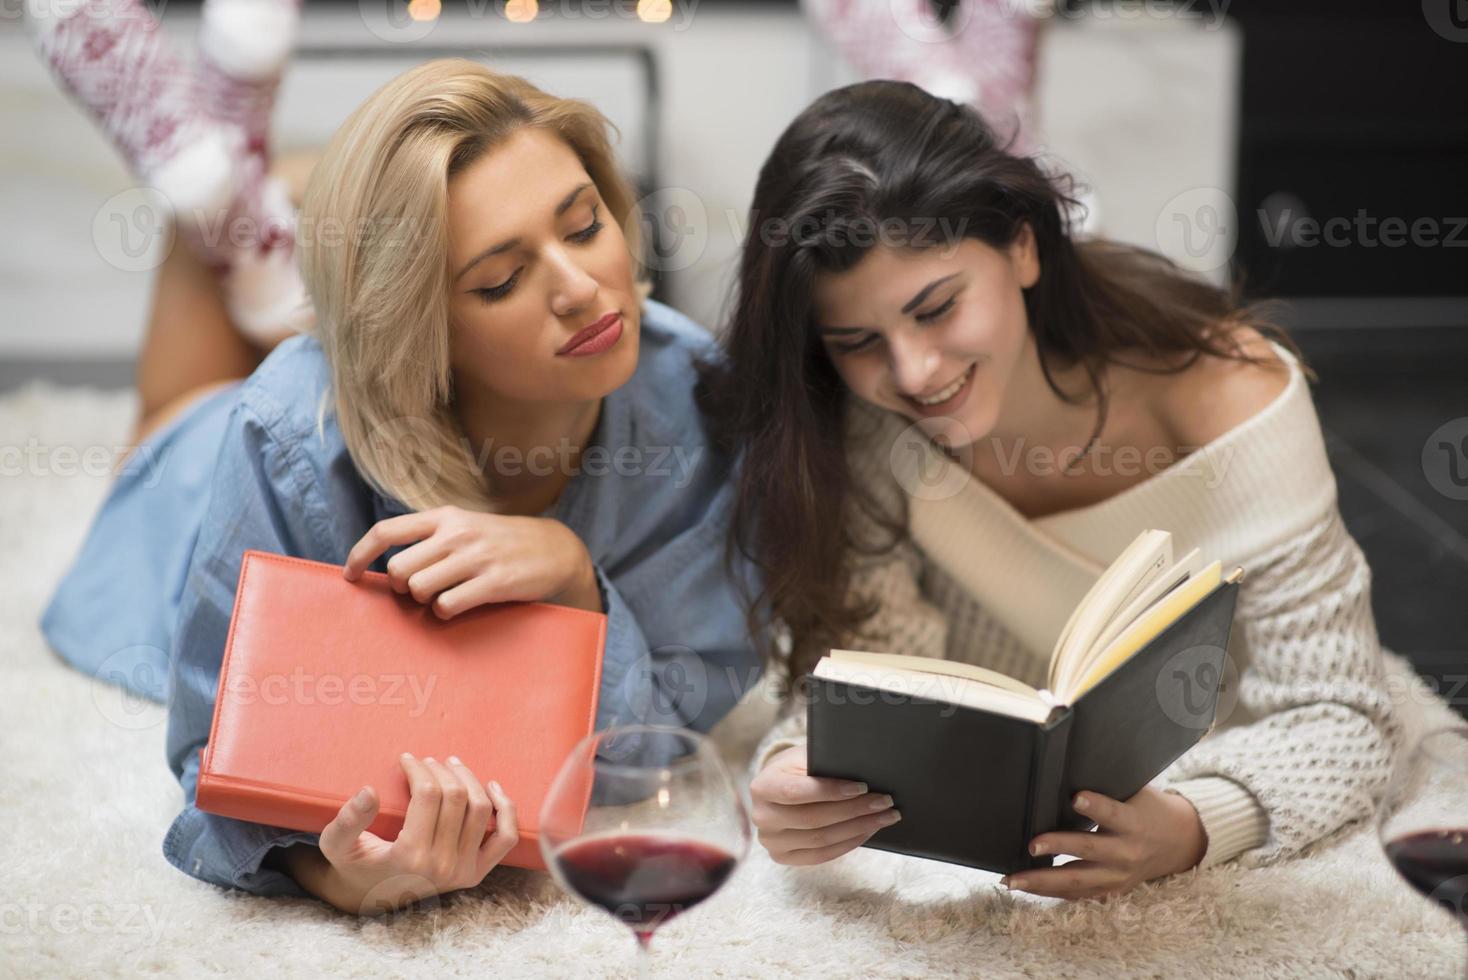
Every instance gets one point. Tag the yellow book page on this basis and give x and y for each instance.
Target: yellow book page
(929, 665)
(1147, 627)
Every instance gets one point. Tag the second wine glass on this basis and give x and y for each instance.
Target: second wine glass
(1425, 834)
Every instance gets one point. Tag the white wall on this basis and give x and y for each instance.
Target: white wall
(1143, 111)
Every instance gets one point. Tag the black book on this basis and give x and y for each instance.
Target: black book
(979, 764)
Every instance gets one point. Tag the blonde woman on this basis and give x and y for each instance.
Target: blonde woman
(487, 408)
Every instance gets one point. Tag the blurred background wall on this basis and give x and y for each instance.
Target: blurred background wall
(1316, 149)
(699, 100)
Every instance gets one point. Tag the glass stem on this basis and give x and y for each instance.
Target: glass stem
(644, 955)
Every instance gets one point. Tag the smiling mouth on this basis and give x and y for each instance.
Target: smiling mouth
(947, 393)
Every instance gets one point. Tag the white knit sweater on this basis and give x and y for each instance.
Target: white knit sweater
(1305, 736)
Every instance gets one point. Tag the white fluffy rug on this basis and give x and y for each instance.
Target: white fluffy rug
(85, 797)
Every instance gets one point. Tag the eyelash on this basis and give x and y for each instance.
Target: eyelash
(929, 317)
(491, 293)
(589, 232)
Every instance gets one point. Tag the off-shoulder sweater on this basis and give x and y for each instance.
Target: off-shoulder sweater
(1305, 732)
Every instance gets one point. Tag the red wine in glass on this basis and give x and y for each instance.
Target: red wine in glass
(1435, 862)
(1422, 819)
(644, 879)
(643, 822)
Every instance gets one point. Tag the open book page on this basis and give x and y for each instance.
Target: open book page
(1143, 561)
(930, 665)
(1072, 670)
(953, 688)
(1145, 629)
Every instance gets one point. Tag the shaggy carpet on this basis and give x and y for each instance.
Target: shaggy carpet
(86, 797)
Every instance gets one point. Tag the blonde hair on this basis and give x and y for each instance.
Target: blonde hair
(373, 244)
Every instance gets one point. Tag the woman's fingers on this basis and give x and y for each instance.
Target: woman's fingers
(822, 837)
(453, 798)
(401, 566)
(1075, 879)
(792, 788)
(477, 812)
(809, 816)
(423, 805)
(478, 590)
(443, 574)
(1100, 845)
(506, 830)
(1108, 813)
(820, 855)
(351, 822)
(402, 529)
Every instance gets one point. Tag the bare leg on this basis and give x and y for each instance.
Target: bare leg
(190, 343)
(191, 347)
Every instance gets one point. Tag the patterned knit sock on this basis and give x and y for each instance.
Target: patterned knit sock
(999, 40)
(112, 58)
(243, 49)
(263, 290)
(985, 56)
(198, 135)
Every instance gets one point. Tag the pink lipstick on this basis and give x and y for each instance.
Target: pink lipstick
(599, 337)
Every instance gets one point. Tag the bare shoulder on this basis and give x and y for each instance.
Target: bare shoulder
(1217, 394)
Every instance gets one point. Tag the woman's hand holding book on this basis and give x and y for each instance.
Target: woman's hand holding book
(804, 819)
(460, 559)
(446, 842)
(1152, 835)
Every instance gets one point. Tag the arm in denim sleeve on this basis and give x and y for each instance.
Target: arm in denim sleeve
(258, 500)
(678, 648)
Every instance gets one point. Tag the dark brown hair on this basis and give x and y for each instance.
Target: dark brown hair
(887, 154)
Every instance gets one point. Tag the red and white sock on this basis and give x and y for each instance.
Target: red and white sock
(244, 46)
(243, 49)
(985, 57)
(999, 42)
(112, 58)
(199, 135)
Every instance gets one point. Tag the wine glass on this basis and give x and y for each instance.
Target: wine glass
(1425, 834)
(645, 822)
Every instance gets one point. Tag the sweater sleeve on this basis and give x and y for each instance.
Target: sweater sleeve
(1310, 672)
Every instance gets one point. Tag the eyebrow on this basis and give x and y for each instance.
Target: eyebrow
(561, 209)
(911, 305)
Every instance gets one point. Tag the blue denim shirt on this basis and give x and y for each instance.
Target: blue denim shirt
(651, 500)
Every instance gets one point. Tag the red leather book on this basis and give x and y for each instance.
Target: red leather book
(325, 683)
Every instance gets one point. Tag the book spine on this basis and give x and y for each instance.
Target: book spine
(1047, 772)
(262, 805)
